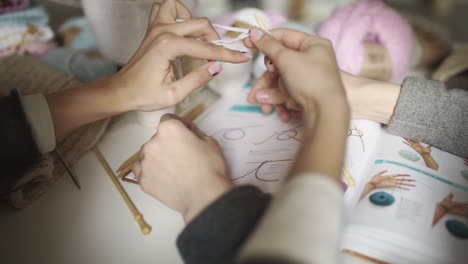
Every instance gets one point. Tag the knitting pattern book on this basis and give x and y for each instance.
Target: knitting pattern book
(405, 201)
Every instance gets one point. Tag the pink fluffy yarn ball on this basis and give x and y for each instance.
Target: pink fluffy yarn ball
(369, 21)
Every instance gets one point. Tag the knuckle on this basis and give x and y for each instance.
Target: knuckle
(146, 149)
(170, 126)
(204, 21)
(282, 56)
(164, 39)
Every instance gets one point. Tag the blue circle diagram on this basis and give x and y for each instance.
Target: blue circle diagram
(382, 199)
(457, 228)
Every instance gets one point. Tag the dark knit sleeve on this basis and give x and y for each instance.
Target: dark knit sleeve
(17, 147)
(217, 234)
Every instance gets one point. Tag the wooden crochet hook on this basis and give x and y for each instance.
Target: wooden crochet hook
(145, 228)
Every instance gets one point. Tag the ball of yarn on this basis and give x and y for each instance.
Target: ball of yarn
(382, 199)
(369, 21)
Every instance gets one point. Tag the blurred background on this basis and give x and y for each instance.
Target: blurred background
(449, 13)
(89, 39)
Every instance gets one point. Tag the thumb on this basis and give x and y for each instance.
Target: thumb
(153, 14)
(268, 45)
(195, 79)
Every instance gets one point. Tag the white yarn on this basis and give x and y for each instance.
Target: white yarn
(223, 42)
(248, 16)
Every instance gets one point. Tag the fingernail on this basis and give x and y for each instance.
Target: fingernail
(268, 61)
(269, 64)
(256, 34)
(262, 96)
(215, 68)
(246, 54)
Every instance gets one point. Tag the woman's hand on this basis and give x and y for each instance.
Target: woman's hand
(368, 99)
(301, 68)
(182, 167)
(305, 68)
(147, 81)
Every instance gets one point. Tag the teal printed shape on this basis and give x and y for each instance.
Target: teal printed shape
(457, 228)
(382, 199)
(409, 155)
(248, 85)
(248, 109)
(453, 184)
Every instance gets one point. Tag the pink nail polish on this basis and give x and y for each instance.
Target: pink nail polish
(262, 96)
(256, 34)
(215, 68)
(246, 54)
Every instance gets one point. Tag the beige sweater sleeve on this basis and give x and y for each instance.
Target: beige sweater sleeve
(303, 224)
(37, 112)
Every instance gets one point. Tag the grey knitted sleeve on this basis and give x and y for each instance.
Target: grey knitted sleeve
(427, 111)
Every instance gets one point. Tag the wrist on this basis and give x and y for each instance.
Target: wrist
(119, 93)
(202, 199)
(328, 109)
(370, 99)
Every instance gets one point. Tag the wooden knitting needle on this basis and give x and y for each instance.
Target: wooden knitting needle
(129, 162)
(72, 175)
(145, 228)
(262, 26)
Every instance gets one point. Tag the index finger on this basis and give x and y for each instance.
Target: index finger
(170, 10)
(175, 46)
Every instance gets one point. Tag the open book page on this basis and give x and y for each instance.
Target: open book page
(363, 136)
(260, 149)
(410, 205)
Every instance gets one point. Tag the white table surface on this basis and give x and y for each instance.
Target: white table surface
(93, 225)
